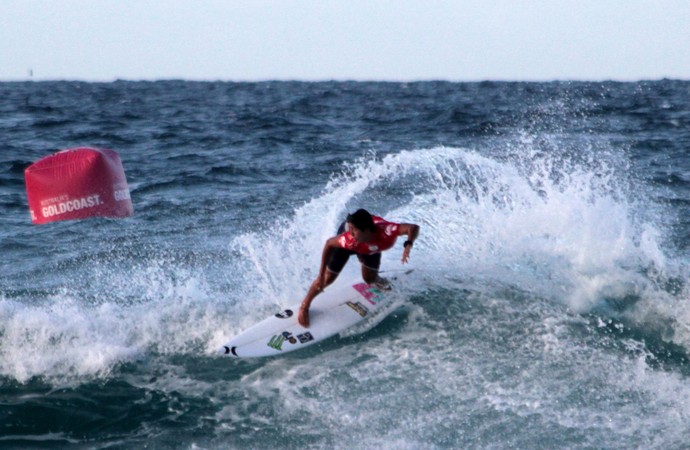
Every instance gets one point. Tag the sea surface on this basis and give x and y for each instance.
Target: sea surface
(549, 305)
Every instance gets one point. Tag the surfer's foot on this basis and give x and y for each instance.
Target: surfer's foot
(383, 284)
(303, 317)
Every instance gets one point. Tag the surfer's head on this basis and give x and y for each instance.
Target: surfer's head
(361, 225)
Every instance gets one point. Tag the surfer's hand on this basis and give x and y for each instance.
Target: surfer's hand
(406, 254)
(303, 316)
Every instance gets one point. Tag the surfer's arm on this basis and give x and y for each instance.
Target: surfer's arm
(410, 230)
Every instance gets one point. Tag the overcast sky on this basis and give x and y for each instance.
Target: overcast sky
(351, 39)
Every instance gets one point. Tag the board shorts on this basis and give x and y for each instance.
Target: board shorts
(339, 258)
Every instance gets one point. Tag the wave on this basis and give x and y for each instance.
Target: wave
(563, 232)
(72, 337)
(570, 225)
(570, 228)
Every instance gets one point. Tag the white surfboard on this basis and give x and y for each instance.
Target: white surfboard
(335, 310)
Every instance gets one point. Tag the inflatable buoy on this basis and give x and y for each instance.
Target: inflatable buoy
(77, 183)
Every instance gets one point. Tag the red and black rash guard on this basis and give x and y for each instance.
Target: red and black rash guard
(384, 238)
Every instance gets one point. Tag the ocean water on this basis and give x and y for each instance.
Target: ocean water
(549, 305)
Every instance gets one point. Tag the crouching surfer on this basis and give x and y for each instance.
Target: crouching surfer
(363, 235)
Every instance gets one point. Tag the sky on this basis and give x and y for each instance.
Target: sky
(403, 40)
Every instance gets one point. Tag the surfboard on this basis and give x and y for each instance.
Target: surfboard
(332, 312)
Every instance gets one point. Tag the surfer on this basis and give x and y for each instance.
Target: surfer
(363, 235)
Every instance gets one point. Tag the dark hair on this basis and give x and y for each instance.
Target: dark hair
(362, 220)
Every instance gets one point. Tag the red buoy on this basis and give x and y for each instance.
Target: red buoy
(77, 183)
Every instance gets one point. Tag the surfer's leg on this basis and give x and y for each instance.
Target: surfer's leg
(337, 261)
(335, 264)
(314, 289)
(370, 270)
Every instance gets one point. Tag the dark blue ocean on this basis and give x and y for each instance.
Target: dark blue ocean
(549, 306)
